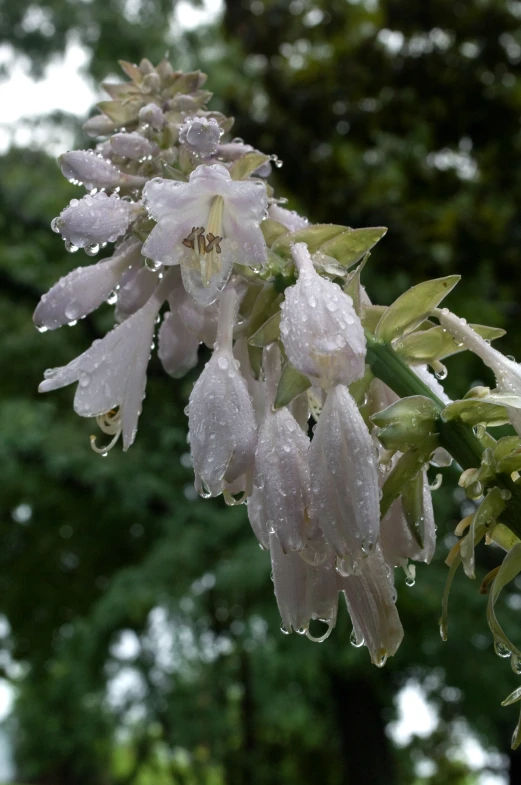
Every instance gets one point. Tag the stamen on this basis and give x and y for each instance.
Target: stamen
(109, 423)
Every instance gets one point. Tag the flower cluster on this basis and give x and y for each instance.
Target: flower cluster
(317, 409)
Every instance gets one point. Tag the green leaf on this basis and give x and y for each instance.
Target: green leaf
(413, 307)
(271, 230)
(291, 384)
(268, 333)
(243, 167)
(351, 245)
(314, 236)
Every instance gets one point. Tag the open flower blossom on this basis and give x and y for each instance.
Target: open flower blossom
(321, 332)
(206, 225)
(221, 420)
(112, 373)
(344, 480)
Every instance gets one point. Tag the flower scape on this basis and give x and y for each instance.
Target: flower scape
(318, 409)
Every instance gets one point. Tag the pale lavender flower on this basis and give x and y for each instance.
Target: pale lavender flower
(288, 218)
(206, 225)
(84, 289)
(112, 373)
(344, 480)
(94, 171)
(321, 332)
(151, 114)
(136, 286)
(506, 370)
(93, 220)
(371, 601)
(303, 592)
(177, 348)
(221, 419)
(200, 320)
(133, 145)
(258, 516)
(201, 136)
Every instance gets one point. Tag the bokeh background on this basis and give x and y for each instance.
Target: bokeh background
(140, 639)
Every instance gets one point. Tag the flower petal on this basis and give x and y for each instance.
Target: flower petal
(178, 348)
(94, 219)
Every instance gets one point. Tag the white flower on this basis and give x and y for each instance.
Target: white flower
(396, 540)
(201, 135)
(177, 347)
(206, 225)
(133, 145)
(94, 219)
(303, 592)
(288, 218)
(258, 516)
(112, 373)
(220, 415)
(84, 289)
(94, 171)
(151, 114)
(321, 332)
(282, 471)
(135, 288)
(371, 598)
(344, 479)
(506, 371)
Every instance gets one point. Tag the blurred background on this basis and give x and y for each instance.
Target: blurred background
(140, 640)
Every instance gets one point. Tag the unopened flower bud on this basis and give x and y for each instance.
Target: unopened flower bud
(220, 414)
(152, 115)
(99, 125)
(133, 146)
(321, 332)
(90, 169)
(201, 136)
(94, 219)
(344, 479)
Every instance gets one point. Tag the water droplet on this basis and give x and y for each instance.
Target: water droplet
(70, 247)
(515, 662)
(204, 491)
(479, 430)
(441, 373)
(113, 298)
(54, 224)
(222, 362)
(284, 630)
(92, 250)
(72, 310)
(356, 642)
(501, 650)
(153, 266)
(84, 379)
(410, 581)
(41, 328)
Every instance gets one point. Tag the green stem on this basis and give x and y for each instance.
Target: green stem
(456, 437)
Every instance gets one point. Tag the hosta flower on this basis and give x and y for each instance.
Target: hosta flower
(201, 135)
(288, 218)
(303, 592)
(206, 225)
(321, 332)
(396, 539)
(221, 419)
(177, 346)
(344, 479)
(133, 145)
(135, 288)
(112, 373)
(94, 171)
(506, 371)
(282, 471)
(84, 289)
(151, 114)
(93, 220)
(371, 598)
(258, 516)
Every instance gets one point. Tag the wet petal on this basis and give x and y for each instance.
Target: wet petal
(90, 169)
(133, 145)
(396, 540)
(135, 289)
(178, 348)
(288, 218)
(94, 219)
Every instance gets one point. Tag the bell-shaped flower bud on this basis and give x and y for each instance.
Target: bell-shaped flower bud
(112, 373)
(84, 289)
(506, 371)
(178, 347)
(93, 220)
(288, 218)
(282, 471)
(94, 171)
(371, 598)
(99, 125)
(344, 480)
(201, 135)
(398, 541)
(303, 592)
(133, 145)
(321, 332)
(220, 414)
(151, 114)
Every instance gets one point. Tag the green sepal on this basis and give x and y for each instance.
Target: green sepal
(507, 572)
(413, 307)
(243, 167)
(353, 286)
(412, 503)
(371, 315)
(271, 230)
(503, 536)
(352, 244)
(488, 511)
(314, 237)
(266, 305)
(291, 384)
(507, 454)
(405, 470)
(437, 343)
(405, 423)
(170, 173)
(131, 70)
(268, 333)
(121, 112)
(482, 405)
(185, 83)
